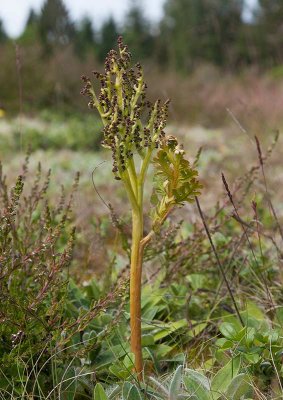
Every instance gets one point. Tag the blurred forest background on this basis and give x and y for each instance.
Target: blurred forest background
(213, 62)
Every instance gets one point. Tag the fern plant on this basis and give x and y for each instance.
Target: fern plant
(134, 132)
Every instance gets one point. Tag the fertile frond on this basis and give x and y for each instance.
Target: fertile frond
(131, 123)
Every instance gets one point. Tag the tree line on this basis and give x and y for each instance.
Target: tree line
(190, 32)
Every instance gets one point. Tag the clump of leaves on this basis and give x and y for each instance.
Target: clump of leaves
(259, 343)
(134, 132)
(185, 384)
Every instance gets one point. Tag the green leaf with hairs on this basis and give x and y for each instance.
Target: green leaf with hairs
(224, 376)
(99, 393)
(197, 385)
(175, 384)
(239, 388)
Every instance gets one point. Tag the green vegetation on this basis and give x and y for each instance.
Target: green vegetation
(71, 340)
(51, 131)
(210, 308)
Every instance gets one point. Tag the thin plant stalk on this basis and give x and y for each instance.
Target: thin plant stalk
(219, 262)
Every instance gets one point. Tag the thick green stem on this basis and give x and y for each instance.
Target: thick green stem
(136, 183)
(135, 290)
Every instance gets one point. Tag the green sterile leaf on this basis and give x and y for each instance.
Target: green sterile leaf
(239, 388)
(197, 384)
(99, 393)
(175, 180)
(222, 379)
(169, 328)
(175, 383)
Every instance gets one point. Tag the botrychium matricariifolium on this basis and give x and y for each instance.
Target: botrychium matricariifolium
(134, 131)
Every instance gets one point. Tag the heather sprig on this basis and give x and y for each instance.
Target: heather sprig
(134, 132)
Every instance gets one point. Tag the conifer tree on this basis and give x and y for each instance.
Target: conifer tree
(269, 23)
(136, 32)
(3, 35)
(198, 31)
(55, 26)
(108, 37)
(85, 38)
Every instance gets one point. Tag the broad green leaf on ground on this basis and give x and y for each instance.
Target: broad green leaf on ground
(197, 384)
(131, 392)
(175, 383)
(168, 329)
(224, 376)
(239, 388)
(99, 393)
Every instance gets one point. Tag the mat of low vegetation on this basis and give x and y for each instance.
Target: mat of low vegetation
(50, 131)
(65, 338)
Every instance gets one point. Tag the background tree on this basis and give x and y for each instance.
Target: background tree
(223, 22)
(136, 32)
(180, 31)
(85, 38)
(3, 35)
(32, 18)
(55, 26)
(201, 30)
(108, 37)
(269, 23)
(30, 33)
